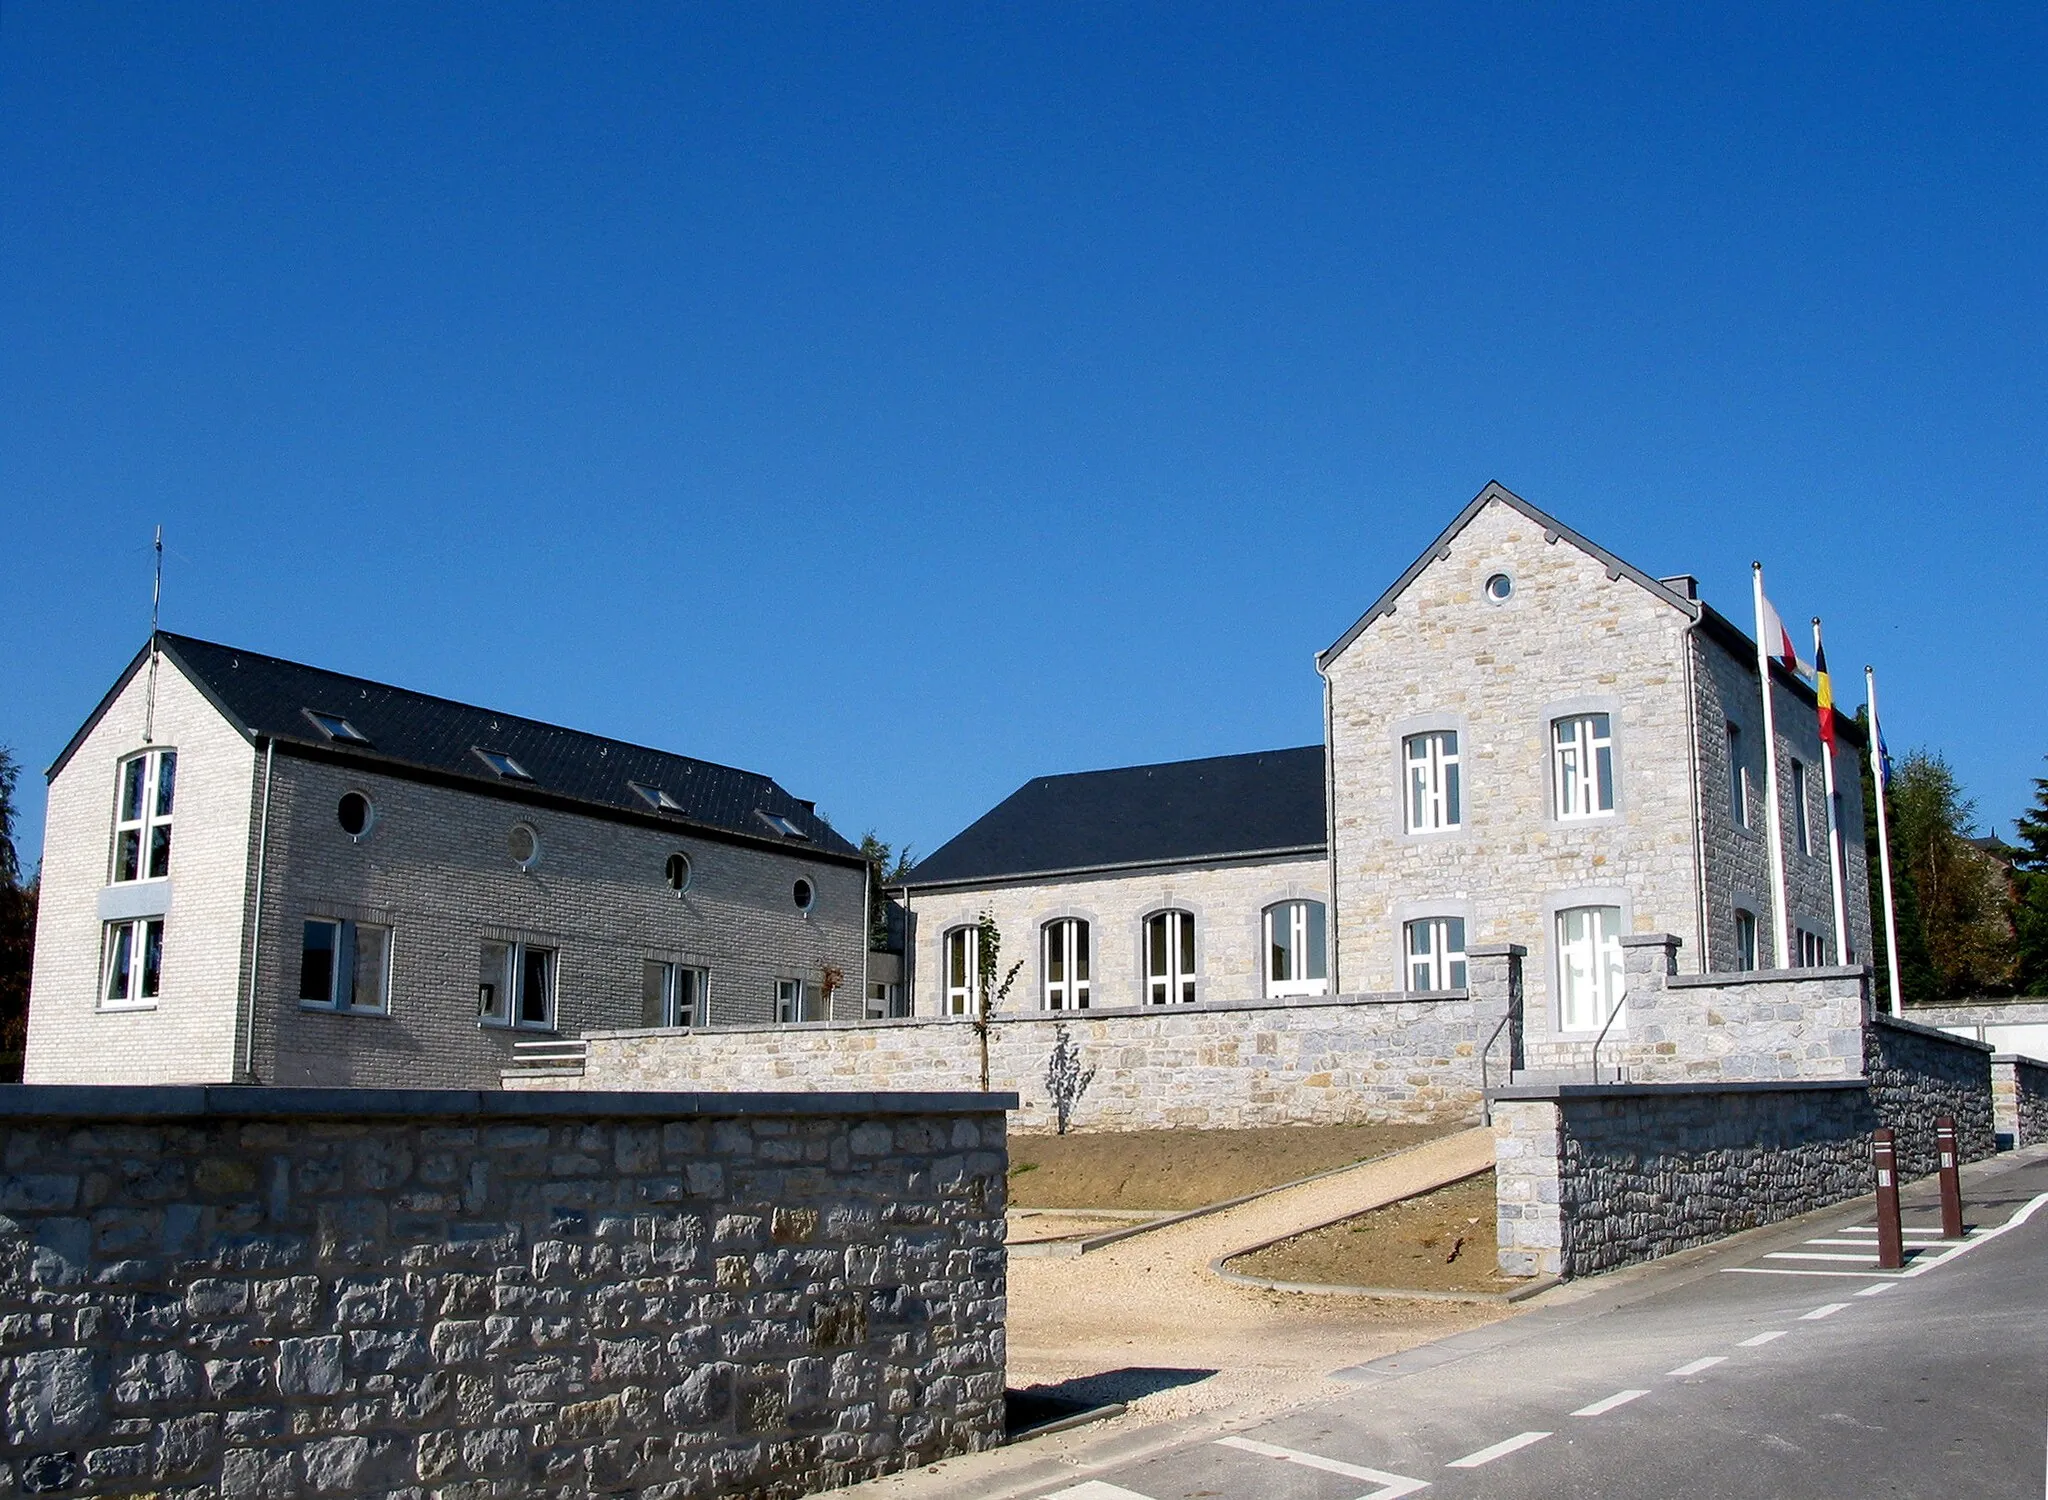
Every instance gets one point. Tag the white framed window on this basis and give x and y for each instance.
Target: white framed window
(1738, 779)
(675, 872)
(1745, 939)
(885, 1001)
(792, 1002)
(1170, 958)
(674, 994)
(1296, 962)
(1582, 765)
(142, 816)
(1433, 794)
(963, 965)
(1811, 950)
(1590, 985)
(132, 964)
(1802, 818)
(1436, 953)
(345, 965)
(1064, 945)
(515, 985)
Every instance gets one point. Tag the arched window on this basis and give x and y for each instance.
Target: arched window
(1065, 949)
(1170, 958)
(963, 963)
(1296, 933)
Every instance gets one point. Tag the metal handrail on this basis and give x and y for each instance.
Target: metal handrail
(1486, 1104)
(1612, 1016)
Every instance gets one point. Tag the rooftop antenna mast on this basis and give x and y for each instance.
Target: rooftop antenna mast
(156, 599)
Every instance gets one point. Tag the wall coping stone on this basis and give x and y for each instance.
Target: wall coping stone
(1649, 940)
(52, 1101)
(1496, 950)
(1761, 976)
(1934, 1033)
(2019, 1059)
(1556, 1092)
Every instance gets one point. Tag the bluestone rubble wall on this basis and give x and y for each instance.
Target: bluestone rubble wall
(1919, 1075)
(267, 1292)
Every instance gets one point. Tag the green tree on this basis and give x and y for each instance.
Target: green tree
(17, 930)
(2030, 903)
(1917, 978)
(886, 866)
(1965, 902)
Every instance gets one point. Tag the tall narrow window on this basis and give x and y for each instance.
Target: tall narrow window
(345, 965)
(1738, 779)
(1433, 792)
(673, 994)
(791, 1001)
(1436, 953)
(516, 985)
(142, 816)
(1745, 939)
(1295, 952)
(1170, 958)
(963, 964)
(1589, 968)
(133, 963)
(1811, 950)
(1582, 765)
(1802, 821)
(1065, 945)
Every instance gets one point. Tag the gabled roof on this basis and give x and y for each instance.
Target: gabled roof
(1554, 530)
(1270, 802)
(266, 698)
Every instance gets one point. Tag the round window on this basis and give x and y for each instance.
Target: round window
(804, 895)
(355, 814)
(523, 844)
(678, 873)
(1499, 588)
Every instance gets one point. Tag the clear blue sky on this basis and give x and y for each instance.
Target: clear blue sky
(904, 400)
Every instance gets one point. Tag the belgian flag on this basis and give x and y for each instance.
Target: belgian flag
(1825, 692)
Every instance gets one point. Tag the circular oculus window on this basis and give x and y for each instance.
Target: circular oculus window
(355, 813)
(803, 895)
(1500, 588)
(677, 873)
(523, 844)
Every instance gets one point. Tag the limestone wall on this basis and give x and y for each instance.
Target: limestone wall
(273, 1293)
(1591, 1178)
(1917, 1076)
(2019, 1100)
(1348, 1060)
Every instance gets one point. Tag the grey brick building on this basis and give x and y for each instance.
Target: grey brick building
(257, 870)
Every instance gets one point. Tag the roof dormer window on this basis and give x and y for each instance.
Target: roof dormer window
(502, 763)
(782, 826)
(655, 798)
(335, 727)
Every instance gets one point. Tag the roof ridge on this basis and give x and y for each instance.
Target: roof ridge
(1155, 765)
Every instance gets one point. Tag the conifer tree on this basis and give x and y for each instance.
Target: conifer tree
(2030, 894)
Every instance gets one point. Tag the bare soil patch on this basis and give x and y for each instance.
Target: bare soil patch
(1442, 1241)
(1182, 1169)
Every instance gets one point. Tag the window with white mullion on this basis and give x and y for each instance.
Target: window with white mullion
(142, 816)
(345, 965)
(1582, 765)
(1432, 781)
(963, 966)
(1589, 966)
(1170, 958)
(673, 994)
(133, 964)
(1296, 962)
(516, 986)
(1436, 953)
(1064, 946)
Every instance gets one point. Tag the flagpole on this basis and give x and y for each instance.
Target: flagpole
(1827, 777)
(1884, 844)
(1781, 931)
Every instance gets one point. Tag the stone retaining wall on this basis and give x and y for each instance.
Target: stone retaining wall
(1917, 1075)
(1341, 1061)
(2019, 1100)
(1594, 1177)
(273, 1293)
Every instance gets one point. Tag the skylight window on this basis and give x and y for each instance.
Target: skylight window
(781, 825)
(502, 763)
(655, 797)
(335, 727)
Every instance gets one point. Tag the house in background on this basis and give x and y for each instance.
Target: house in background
(256, 870)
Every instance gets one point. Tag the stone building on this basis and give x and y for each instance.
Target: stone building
(261, 871)
(1529, 741)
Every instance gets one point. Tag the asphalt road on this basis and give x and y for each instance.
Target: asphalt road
(1791, 1369)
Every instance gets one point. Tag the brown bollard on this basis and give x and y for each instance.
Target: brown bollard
(1891, 1248)
(1951, 1180)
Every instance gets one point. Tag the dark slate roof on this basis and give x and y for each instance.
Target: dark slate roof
(1140, 815)
(267, 699)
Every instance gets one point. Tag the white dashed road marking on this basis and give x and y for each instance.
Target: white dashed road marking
(1391, 1485)
(1825, 1310)
(1607, 1404)
(1699, 1364)
(1872, 1291)
(1499, 1450)
(1761, 1339)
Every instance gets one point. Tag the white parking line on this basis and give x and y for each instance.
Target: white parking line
(1392, 1486)
(1095, 1489)
(1699, 1364)
(1607, 1404)
(1861, 1260)
(1872, 1291)
(1825, 1310)
(1761, 1339)
(1499, 1450)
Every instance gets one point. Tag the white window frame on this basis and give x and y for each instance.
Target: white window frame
(1168, 938)
(344, 967)
(791, 995)
(1439, 964)
(1745, 940)
(509, 1014)
(1738, 777)
(1309, 958)
(136, 933)
(1432, 783)
(1582, 765)
(1592, 979)
(1809, 948)
(152, 815)
(885, 1000)
(680, 988)
(960, 968)
(1802, 814)
(1066, 947)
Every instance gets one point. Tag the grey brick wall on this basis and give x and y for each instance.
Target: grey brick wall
(254, 1292)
